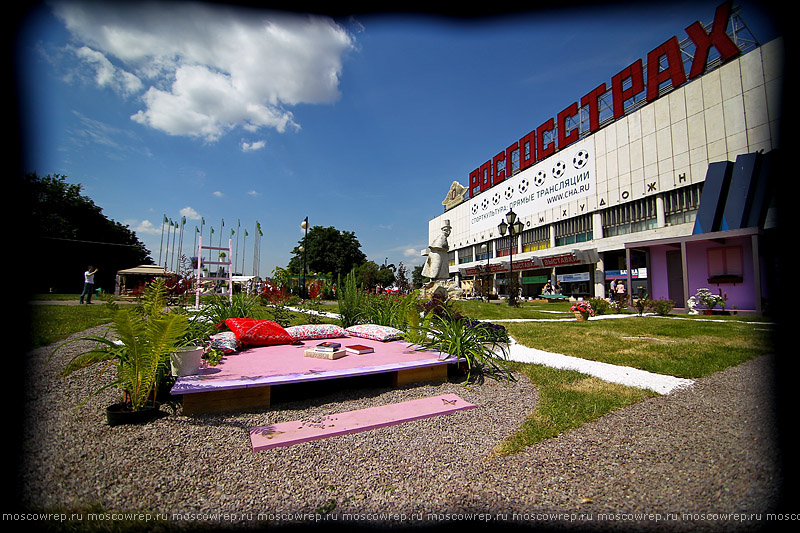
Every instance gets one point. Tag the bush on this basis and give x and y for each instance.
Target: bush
(350, 301)
(662, 307)
(483, 346)
(601, 306)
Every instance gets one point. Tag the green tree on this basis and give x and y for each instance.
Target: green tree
(401, 278)
(366, 275)
(416, 277)
(69, 232)
(329, 251)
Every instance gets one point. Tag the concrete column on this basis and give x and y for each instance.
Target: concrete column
(597, 226)
(600, 279)
(661, 216)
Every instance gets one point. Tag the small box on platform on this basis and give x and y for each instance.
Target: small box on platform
(325, 354)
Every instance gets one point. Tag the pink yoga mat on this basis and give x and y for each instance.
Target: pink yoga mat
(322, 427)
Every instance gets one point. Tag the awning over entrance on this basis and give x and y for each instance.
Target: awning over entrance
(575, 257)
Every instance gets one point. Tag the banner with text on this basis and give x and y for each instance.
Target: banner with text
(567, 175)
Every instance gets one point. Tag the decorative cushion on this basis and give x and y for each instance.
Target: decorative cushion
(224, 341)
(316, 331)
(257, 332)
(375, 332)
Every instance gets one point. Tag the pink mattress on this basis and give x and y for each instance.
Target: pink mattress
(283, 364)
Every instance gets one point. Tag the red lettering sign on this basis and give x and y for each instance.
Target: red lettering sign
(625, 85)
(717, 38)
(556, 260)
(592, 101)
(565, 139)
(527, 150)
(634, 73)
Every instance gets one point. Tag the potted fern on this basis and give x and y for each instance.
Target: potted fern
(145, 336)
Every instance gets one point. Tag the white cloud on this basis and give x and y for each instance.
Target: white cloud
(145, 227)
(218, 194)
(190, 213)
(252, 147)
(253, 193)
(206, 69)
(107, 75)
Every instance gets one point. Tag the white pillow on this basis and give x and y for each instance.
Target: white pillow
(315, 331)
(375, 332)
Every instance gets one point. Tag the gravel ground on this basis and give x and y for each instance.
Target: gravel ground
(687, 458)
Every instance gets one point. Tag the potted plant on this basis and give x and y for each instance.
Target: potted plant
(709, 300)
(186, 360)
(582, 310)
(145, 337)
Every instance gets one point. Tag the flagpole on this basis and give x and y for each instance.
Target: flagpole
(174, 235)
(180, 243)
(166, 252)
(236, 256)
(161, 246)
(244, 249)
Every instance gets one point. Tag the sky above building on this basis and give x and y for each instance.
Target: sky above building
(229, 118)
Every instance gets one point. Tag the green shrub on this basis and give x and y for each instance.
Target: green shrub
(350, 301)
(601, 306)
(484, 347)
(662, 307)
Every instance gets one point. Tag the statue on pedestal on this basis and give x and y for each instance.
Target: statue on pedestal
(436, 266)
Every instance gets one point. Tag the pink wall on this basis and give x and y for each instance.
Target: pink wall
(741, 295)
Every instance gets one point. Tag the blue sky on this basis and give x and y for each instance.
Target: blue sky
(361, 123)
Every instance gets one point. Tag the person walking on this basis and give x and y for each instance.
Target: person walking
(620, 290)
(88, 284)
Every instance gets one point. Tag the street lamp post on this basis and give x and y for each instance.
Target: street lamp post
(514, 227)
(304, 226)
(485, 277)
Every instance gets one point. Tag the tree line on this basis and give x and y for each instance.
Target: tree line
(67, 232)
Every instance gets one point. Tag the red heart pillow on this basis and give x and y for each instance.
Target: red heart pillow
(258, 332)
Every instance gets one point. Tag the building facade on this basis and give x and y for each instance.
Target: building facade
(627, 164)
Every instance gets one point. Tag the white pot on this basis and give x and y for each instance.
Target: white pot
(186, 361)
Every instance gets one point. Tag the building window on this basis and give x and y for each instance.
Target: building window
(451, 258)
(680, 205)
(465, 255)
(630, 218)
(503, 246)
(573, 230)
(483, 256)
(725, 264)
(536, 239)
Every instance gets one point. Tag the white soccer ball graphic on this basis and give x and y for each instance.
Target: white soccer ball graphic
(496, 198)
(485, 204)
(559, 169)
(538, 180)
(509, 192)
(523, 185)
(580, 159)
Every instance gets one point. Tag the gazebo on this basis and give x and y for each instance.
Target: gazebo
(131, 281)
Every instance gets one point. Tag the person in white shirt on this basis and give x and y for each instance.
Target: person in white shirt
(88, 284)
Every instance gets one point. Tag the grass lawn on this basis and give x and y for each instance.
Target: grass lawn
(683, 348)
(677, 345)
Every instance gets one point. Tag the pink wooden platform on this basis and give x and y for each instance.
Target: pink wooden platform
(243, 379)
(316, 428)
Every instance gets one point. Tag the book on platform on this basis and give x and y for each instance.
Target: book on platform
(359, 349)
(328, 346)
(325, 354)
